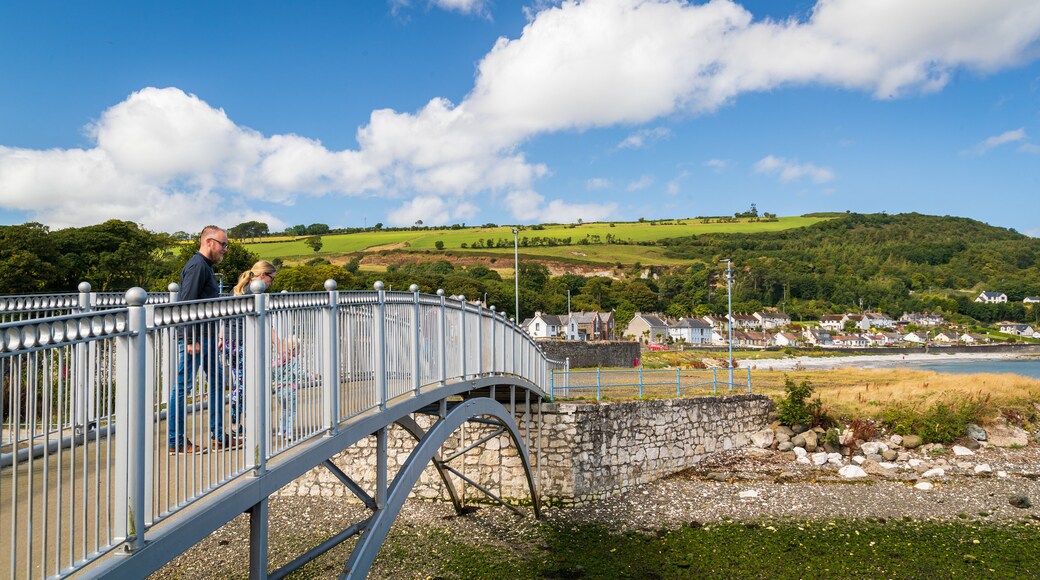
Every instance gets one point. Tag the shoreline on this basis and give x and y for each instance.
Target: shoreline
(874, 361)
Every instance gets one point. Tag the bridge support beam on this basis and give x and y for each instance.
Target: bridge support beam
(375, 532)
(258, 541)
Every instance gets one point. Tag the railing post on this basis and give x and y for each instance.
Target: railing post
(749, 380)
(330, 357)
(416, 344)
(83, 396)
(130, 448)
(494, 340)
(380, 345)
(599, 384)
(567, 369)
(715, 380)
(678, 381)
(443, 342)
(462, 336)
(640, 381)
(552, 386)
(257, 386)
(174, 289)
(480, 339)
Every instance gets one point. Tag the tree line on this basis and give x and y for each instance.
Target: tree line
(878, 262)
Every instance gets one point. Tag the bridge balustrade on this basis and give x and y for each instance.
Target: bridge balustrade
(87, 468)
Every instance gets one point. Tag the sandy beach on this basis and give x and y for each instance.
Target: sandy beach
(874, 361)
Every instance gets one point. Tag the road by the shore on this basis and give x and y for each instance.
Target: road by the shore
(874, 361)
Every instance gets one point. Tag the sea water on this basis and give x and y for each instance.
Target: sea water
(1029, 367)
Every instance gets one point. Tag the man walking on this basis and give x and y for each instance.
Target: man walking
(197, 347)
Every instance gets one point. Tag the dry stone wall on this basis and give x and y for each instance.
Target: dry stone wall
(589, 451)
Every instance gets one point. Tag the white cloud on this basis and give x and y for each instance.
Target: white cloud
(597, 183)
(1014, 136)
(792, 170)
(1029, 148)
(674, 186)
(530, 207)
(462, 6)
(717, 164)
(641, 183)
(644, 137)
(171, 161)
(431, 210)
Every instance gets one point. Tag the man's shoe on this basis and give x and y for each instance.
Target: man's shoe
(184, 447)
(226, 442)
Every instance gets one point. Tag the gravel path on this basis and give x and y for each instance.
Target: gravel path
(743, 485)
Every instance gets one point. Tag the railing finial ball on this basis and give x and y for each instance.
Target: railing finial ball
(136, 296)
(330, 285)
(413, 288)
(84, 287)
(257, 286)
(174, 287)
(492, 308)
(440, 292)
(378, 285)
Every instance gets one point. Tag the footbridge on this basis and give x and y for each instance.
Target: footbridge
(93, 485)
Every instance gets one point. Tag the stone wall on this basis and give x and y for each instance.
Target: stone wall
(589, 451)
(592, 354)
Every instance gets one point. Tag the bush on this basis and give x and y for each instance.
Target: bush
(942, 422)
(794, 409)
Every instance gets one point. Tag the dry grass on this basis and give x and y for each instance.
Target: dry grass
(852, 393)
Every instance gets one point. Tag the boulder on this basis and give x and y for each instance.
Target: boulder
(798, 441)
(924, 485)
(830, 447)
(911, 441)
(875, 468)
(785, 431)
(896, 440)
(975, 432)
(934, 472)
(819, 458)
(1007, 436)
(983, 469)
(811, 440)
(1020, 501)
(873, 448)
(971, 443)
(762, 439)
(786, 446)
(781, 436)
(962, 451)
(890, 455)
(852, 471)
(796, 429)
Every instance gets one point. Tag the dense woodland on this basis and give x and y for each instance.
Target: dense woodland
(888, 263)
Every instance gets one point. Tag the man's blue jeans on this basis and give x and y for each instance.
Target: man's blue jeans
(188, 365)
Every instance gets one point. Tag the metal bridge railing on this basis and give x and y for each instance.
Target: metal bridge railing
(639, 382)
(90, 398)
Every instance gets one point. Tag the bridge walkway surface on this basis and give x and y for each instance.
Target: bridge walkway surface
(90, 485)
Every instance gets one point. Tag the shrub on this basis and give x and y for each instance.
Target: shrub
(942, 422)
(794, 408)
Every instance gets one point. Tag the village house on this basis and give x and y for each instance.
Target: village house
(594, 325)
(916, 337)
(716, 322)
(771, 320)
(849, 341)
(690, 331)
(1031, 300)
(991, 297)
(1017, 329)
(921, 319)
(543, 325)
(786, 339)
(745, 322)
(751, 338)
(832, 322)
(969, 338)
(947, 336)
(817, 337)
(647, 328)
(879, 320)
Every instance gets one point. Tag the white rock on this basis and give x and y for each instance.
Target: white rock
(749, 494)
(859, 459)
(923, 485)
(873, 448)
(852, 471)
(962, 451)
(762, 439)
(819, 458)
(889, 465)
(800, 452)
(803, 459)
(834, 457)
(915, 462)
(983, 468)
(903, 456)
(934, 472)
(1001, 473)
(834, 461)
(896, 440)
(965, 464)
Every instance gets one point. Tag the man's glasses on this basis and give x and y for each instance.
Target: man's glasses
(223, 245)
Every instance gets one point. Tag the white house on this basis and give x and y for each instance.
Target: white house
(917, 337)
(690, 331)
(879, 320)
(786, 339)
(969, 338)
(648, 328)
(770, 320)
(947, 337)
(832, 322)
(745, 321)
(1031, 300)
(922, 319)
(849, 341)
(818, 336)
(992, 297)
(550, 326)
(1017, 329)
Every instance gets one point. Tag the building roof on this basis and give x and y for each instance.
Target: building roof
(689, 323)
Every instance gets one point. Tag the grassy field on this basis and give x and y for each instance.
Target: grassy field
(426, 239)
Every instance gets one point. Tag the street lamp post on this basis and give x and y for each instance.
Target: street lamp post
(729, 297)
(516, 274)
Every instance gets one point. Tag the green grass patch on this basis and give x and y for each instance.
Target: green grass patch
(837, 549)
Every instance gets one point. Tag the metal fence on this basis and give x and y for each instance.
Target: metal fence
(115, 416)
(628, 383)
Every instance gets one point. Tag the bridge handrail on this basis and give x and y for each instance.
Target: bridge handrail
(76, 378)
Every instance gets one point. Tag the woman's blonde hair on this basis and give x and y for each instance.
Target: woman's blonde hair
(259, 269)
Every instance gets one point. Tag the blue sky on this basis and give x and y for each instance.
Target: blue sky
(176, 115)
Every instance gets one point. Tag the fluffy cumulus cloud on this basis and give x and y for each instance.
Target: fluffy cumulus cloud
(163, 157)
(788, 170)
